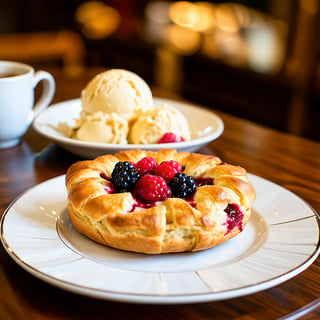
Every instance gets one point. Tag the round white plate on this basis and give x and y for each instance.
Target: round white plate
(205, 126)
(280, 241)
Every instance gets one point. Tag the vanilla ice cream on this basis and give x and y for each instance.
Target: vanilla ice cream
(152, 124)
(103, 127)
(119, 91)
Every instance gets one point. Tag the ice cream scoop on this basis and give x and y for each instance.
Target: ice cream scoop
(152, 124)
(119, 91)
(103, 127)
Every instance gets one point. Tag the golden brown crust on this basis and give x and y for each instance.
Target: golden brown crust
(174, 225)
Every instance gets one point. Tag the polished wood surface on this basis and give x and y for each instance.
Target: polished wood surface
(290, 161)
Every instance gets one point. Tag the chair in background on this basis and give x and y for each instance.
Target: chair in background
(65, 47)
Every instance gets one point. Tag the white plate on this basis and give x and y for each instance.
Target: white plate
(205, 126)
(280, 241)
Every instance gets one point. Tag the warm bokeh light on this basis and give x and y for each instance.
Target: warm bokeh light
(97, 20)
(243, 15)
(158, 11)
(205, 20)
(232, 48)
(156, 20)
(230, 32)
(226, 18)
(310, 6)
(182, 14)
(183, 40)
(266, 49)
(197, 16)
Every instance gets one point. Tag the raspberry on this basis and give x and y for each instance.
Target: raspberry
(124, 176)
(146, 165)
(182, 185)
(170, 137)
(167, 169)
(151, 189)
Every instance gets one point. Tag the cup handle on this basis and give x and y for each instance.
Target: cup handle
(47, 93)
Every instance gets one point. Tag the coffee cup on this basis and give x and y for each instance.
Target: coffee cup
(17, 94)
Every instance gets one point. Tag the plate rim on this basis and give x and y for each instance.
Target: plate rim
(158, 298)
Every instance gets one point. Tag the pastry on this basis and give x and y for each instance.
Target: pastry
(158, 202)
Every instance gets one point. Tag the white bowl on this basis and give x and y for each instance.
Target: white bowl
(204, 124)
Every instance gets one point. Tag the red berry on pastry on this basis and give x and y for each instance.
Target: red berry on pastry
(167, 169)
(146, 165)
(152, 188)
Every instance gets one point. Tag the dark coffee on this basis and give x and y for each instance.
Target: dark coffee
(8, 74)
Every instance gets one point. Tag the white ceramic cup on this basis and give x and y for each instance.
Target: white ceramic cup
(17, 107)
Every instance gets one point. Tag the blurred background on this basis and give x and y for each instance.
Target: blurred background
(259, 60)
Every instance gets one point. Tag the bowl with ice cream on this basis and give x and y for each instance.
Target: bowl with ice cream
(117, 111)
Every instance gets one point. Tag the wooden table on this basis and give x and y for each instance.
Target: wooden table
(291, 162)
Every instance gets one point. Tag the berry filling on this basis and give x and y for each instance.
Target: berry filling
(203, 181)
(109, 189)
(139, 204)
(103, 176)
(234, 217)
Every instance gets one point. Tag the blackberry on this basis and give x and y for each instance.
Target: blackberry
(182, 185)
(124, 176)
